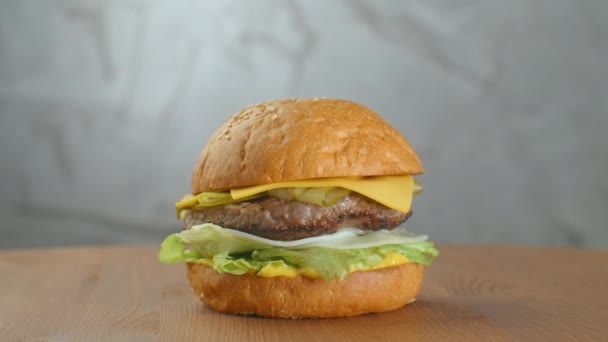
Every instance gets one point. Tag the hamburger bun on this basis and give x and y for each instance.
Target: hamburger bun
(300, 297)
(296, 139)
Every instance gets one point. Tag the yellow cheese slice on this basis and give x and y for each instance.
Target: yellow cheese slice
(394, 192)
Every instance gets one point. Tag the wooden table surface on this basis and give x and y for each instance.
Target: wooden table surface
(470, 293)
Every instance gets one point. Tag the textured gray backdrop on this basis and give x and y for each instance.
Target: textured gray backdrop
(105, 105)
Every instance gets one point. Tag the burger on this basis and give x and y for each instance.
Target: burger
(297, 211)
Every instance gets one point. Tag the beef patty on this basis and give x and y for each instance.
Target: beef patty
(279, 219)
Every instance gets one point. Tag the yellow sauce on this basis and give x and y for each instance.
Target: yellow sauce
(279, 269)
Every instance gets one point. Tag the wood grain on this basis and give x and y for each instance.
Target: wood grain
(489, 293)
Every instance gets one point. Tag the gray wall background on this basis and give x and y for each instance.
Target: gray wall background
(105, 105)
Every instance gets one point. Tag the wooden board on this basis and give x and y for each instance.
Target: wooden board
(470, 293)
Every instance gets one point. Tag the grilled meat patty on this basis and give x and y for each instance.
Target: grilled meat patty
(285, 220)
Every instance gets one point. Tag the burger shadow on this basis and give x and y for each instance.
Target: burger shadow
(397, 325)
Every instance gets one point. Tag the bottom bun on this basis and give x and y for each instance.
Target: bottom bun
(300, 297)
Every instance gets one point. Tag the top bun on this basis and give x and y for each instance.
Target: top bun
(296, 139)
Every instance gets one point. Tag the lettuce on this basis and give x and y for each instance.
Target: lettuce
(174, 250)
(421, 252)
(242, 253)
(330, 263)
(225, 263)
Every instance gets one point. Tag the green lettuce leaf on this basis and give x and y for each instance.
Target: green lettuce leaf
(420, 252)
(330, 263)
(238, 254)
(225, 263)
(174, 250)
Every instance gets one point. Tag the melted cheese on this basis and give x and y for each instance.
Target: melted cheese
(279, 269)
(392, 259)
(394, 192)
